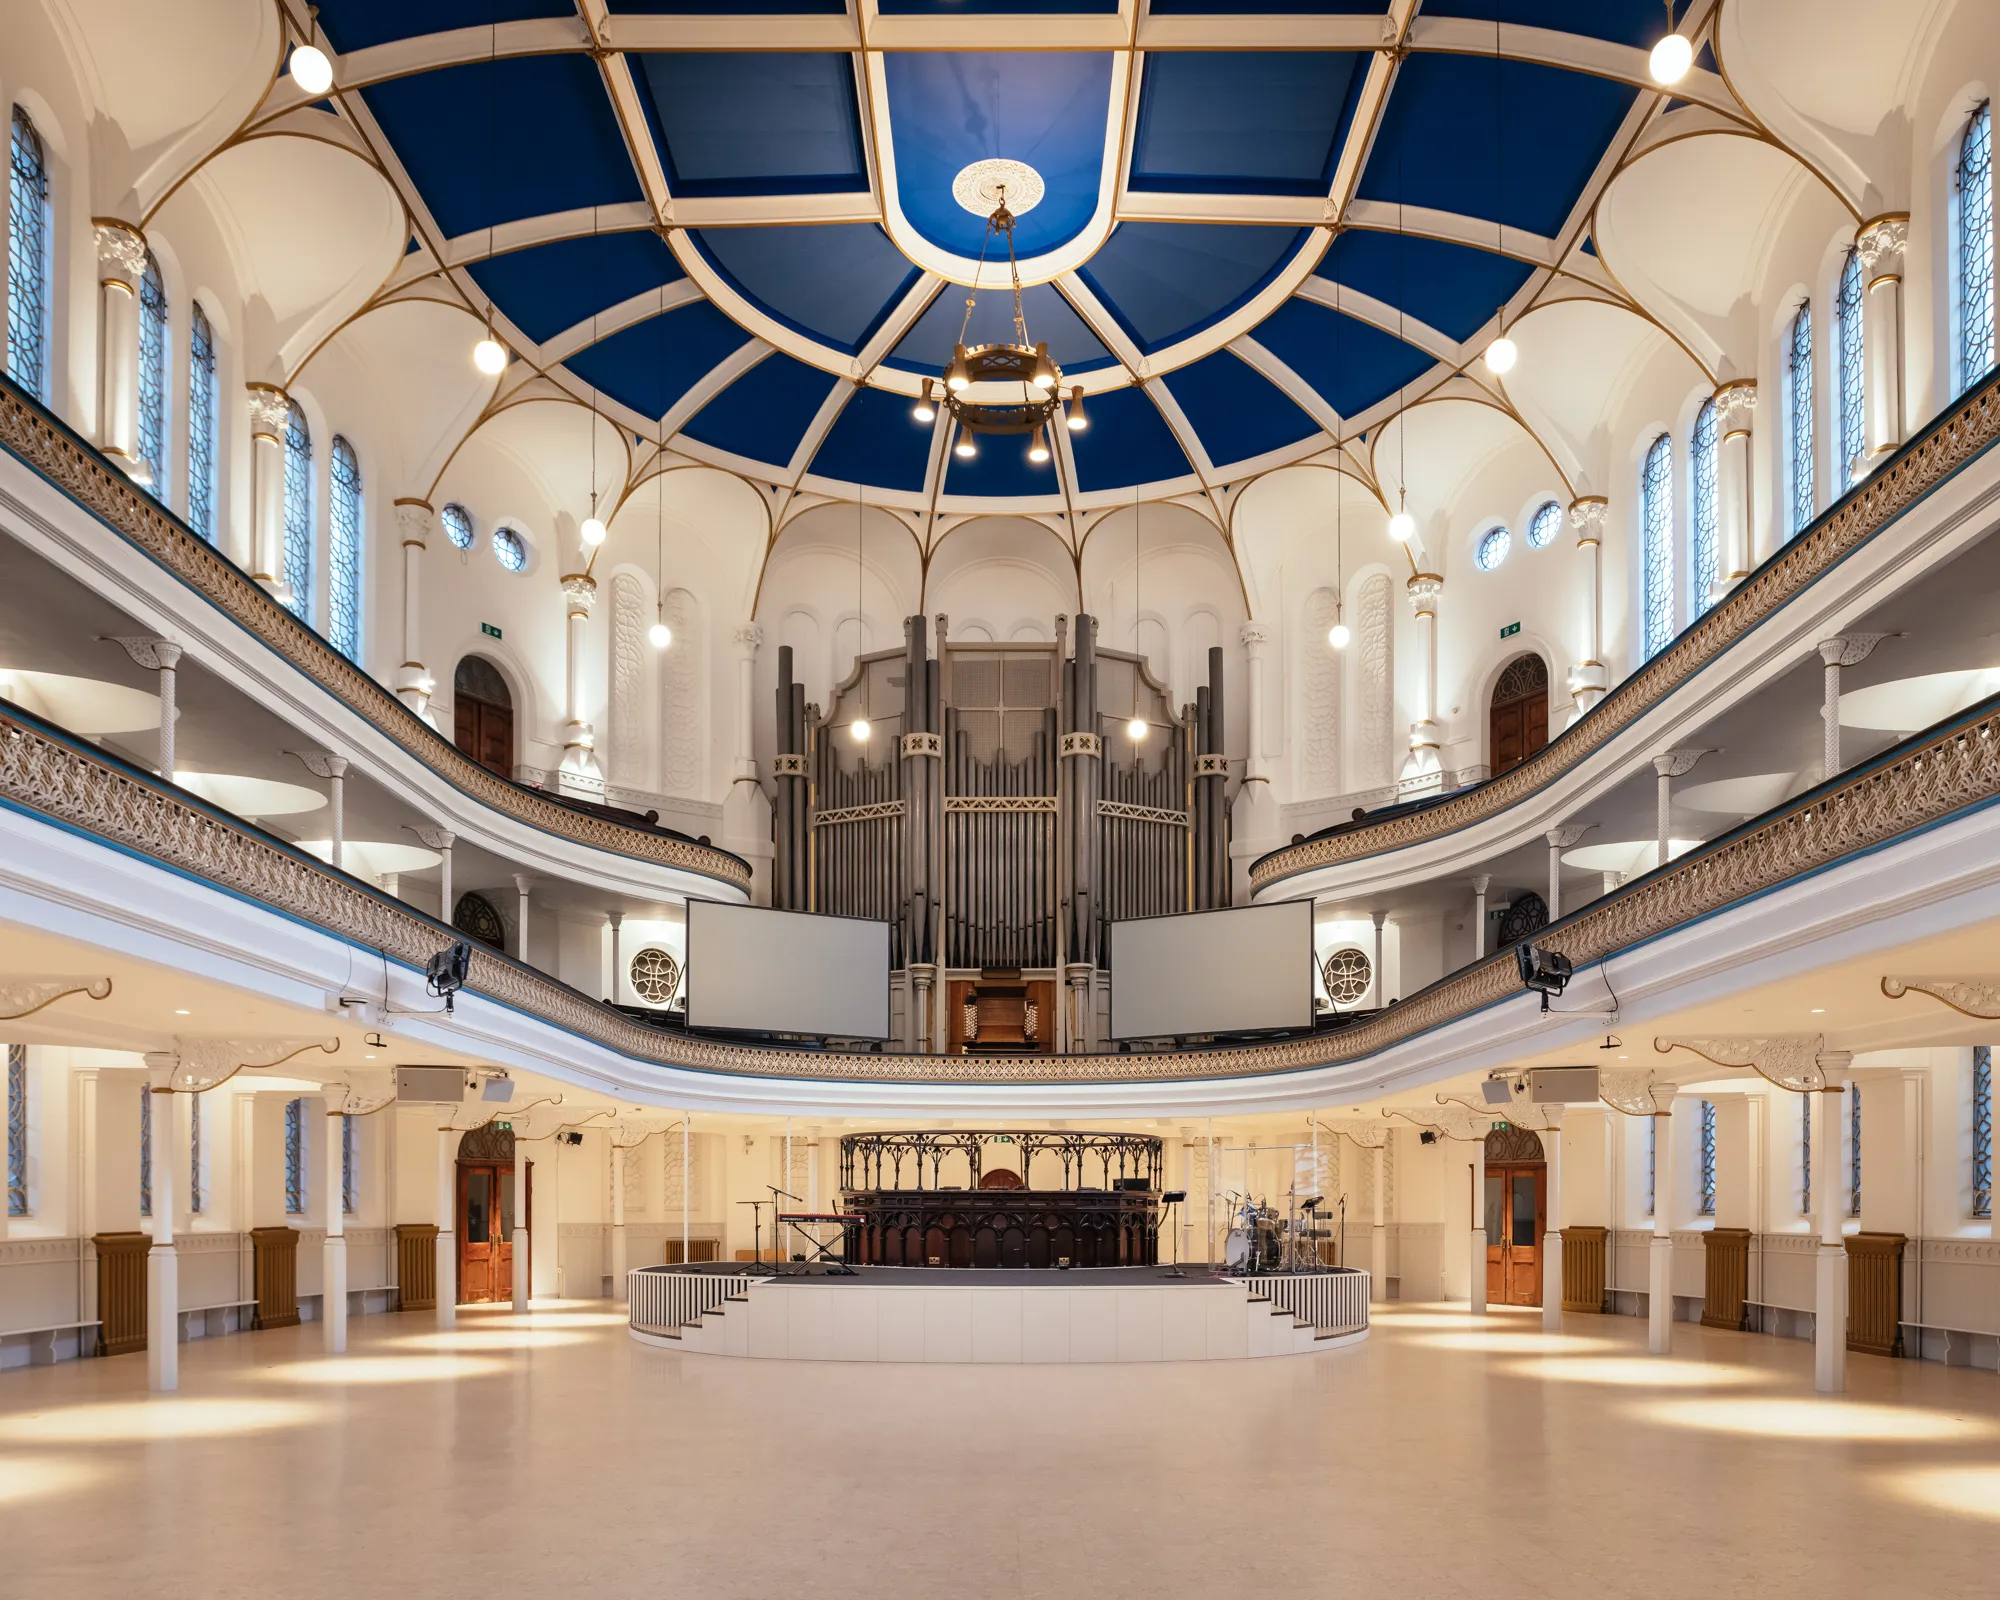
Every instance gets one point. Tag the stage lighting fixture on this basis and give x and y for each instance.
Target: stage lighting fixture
(1428, 1136)
(445, 973)
(1543, 971)
(569, 1136)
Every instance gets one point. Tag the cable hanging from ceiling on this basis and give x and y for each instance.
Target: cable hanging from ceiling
(1501, 352)
(489, 355)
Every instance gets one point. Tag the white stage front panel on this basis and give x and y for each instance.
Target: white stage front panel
(1213, 971)
(786, 971)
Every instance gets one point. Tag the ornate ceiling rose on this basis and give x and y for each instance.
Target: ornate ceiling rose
(985, 186)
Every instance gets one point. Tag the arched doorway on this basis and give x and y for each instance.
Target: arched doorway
(482, 715)
(1517, 1188)
(485, 1223)
(1518, 724)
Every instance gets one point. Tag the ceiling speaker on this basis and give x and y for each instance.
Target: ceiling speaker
(1562, 1085)
(432, 1085)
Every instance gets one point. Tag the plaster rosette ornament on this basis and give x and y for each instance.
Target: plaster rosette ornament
(23, 997)
(1972, 997)
(1790, 1060)
(202, 1062)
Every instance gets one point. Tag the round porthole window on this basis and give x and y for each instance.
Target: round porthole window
(1348, 974)
(656, 975)
(1493, 548)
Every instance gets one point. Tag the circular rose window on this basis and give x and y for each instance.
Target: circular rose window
(1348, 974)
(655, 975)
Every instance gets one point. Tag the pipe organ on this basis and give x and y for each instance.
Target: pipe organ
(993, 804)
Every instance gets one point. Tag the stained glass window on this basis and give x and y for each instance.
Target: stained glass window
(1799, 389)
(1544, 525)
(343, 553)
(1854, 1150)
(350, 1129)
(1847, 315)
(17, 1130)
(295, 1157)
(1493, 547)
(1708, 1158)
(153, 376)
(298, 512)
(1703, 553)
(1975, 247)
(508, 549)
(197, 1193)
(457, 526)
(1656, 517)
(1982, 1130)
(1652, 1161)
(28, 261)
(145, 1150)
(1805, 1154)
(202, 397)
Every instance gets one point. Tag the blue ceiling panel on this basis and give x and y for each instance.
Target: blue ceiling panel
(478, 162)
(360, 24)
(1051, 320)
(555, 286)
(1453, 287)
(651, 364)
(950, 109)
(754, 122)
(1001, 468)
(835, 282)
(958, 8)
(765, 413)
(1128, 442)
(1244, 121)
(1273, 8)
(1351, 363)
(876, 441)
(1633, 22)
(1235, 410)
(730, 8)
(1445, 143)
(1167, 280)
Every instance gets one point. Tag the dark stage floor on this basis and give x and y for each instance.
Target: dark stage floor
(973, 1277)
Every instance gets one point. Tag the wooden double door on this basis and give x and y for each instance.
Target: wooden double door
(486, 1202)
(1516, 1216)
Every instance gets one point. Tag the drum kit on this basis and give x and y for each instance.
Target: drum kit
(1260, 1240)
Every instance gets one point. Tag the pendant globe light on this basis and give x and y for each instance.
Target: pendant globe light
(489, 355)
(1502, 352)
(1672, 56)
(309, 67)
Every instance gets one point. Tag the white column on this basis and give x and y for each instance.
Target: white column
(333, 1295)
(1378, 1240)
(447, 1239)
(746, 809)
(1480, 885)
(1735, 487)
(1554, 838)
(520, 1240)
(270, 411)
(617, 921)
(1256, 824)
(1377, 976)
(521, 885)
(1674, 764)
(121, 264)
(1588, 678)
(336, 797)
(687, 1181)
(163, 1274)
(1881, 244)
(618, 1257)
(1552, 1239)
(1425, 735)
(414, 685)
(1475, 1260)
(162, 656)
(579, 759)
(441, 840)
(1660, 1263)
(1842, 650)
(1830, 1261)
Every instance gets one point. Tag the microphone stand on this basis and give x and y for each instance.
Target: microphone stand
(778, 1229)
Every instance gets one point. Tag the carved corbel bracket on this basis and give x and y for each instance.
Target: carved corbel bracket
(1971, 997)
(360, 1099)
(1790, 1060)
(23, 997)
(1453, 1121)
(1368, 1135)
(1521, 1113)
(202, 1062)
(1635, 1093)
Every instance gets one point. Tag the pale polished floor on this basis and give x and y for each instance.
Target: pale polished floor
(552, 1456)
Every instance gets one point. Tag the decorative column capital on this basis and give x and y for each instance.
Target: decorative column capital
(323, 763)
(579, 593)
(154, 654)
(1587, 515)
(1880, 245)
(1254, 636)
(749, 637)
(1733, 404)
(270, 411)
(1851, 649)
(1676, 763)
(414, 520)
(121, 252)
(1424, 589)
(439, 839)
(1563, 837)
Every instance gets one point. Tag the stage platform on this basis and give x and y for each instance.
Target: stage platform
(995, 1315)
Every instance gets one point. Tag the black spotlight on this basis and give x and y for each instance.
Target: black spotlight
(445, 973)
(570, 1136)
(1544, 971)
(1428, 1136)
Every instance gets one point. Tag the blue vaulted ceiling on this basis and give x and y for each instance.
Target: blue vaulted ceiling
(786, 194)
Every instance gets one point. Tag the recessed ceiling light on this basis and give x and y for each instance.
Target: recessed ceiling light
(1819, 1011)
(180, 1013)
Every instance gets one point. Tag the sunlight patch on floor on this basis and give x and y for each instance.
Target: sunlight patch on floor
(161, 1417)
(1823, 1417)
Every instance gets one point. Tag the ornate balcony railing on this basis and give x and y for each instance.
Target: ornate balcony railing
(33, 435)
(1955, 438)
(1936, 775)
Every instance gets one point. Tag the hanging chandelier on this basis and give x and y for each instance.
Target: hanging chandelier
(1005, 387)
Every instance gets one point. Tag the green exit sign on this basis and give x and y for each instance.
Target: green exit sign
(1507, 632)
(492, 632)
(1498, 1127)
(508, 1127)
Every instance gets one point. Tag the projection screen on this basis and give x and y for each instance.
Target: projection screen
(1213, 971)
(786, 971)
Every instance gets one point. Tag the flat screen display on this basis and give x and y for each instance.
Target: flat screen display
(1233, 971)
(786, 971)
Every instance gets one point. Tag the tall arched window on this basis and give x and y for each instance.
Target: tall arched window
(1652, 1163)
(1847, 314)
(295, 1157)
(350, 1129)
(1703, 561)
(457, 526)
(202, 397)
(298, 512)
(1975, 248)
(1656, 518)
(197, 1189)
(1982, 1130)
(153, 376)
(1799, 415)
(343, 554)
(28, 261)
(1805, 1154)
(145, 1150)
(1854, 1149)
(1707, 1187)
(17, 1130)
